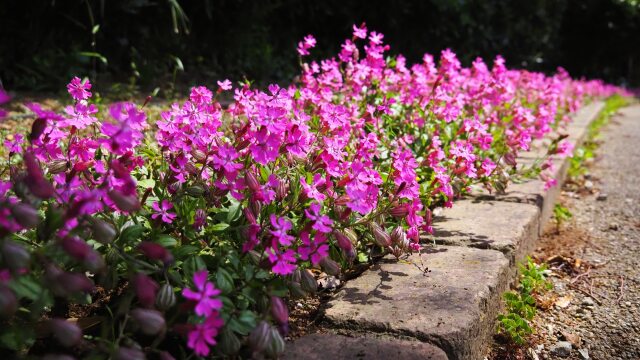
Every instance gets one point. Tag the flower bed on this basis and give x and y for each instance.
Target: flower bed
(184, 234)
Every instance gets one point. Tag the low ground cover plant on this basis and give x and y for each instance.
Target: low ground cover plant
(185, 235)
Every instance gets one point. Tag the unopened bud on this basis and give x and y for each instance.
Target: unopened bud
(57, 166)
(15, 256)
(398, 236)
(37, 128)
(510, 159)
(282, 190)
(308, 282)
(166, 297)
(37, 184)
(343, 241)
(145, 289)
(229, 344)
(399, 211)
(8, 302)
(151, 322)
(199, 155)
(260, 337)
(276, 344)
(128, 353)
(279, 310)
(195, 191)
(126, 203)
(296, 291)
(249, 215)
(380, 235)
(191, 168)
(155, 251)
(256, 206)
(67, 333)
(103, 232)
(329, 266)
(251, 181)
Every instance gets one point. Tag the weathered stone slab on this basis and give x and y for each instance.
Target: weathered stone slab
(509, 227)
(331, 346)
(452, 305)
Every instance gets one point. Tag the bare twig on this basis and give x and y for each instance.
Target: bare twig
(585, 292)
(586, 273)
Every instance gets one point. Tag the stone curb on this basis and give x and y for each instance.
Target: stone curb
(445, 300)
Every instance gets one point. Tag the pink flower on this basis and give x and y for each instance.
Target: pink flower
(280, 227)
(14, 145)
(204, 335)
(311, 191)
(322, 223)
(284, 262)
(360, 32)
(4, 97)
(304, 46)
(314, 250)
(205, 303)
(162, 210)
(200, 95)
(79, 90)
(225, 85)
(224, 159)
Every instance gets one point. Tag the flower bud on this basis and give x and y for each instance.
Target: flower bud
(126, 203)
(398, 236)
(166, 297)
(380, 235)
(329, 266)
(308, 282)
(37, 128)
(282, 190)
(66, 333)
(195, 191)
(57, 166)
(8, 302)
(251, 181)
(199, 155)
(279, 310)
(35, 180)
(510, 159)
(145, 289)
(128, 353)
(75, 247)
(155, 252)
(229, 344)
(103, 232)
(343, 200)
(255, 206)
(276, 344)
(191, 168)
(296, 291)
(243, 145)
(399, 211)
(72, 283)
(260, 337)
(15, 256)
(343, 241)
(248, 214)
(25, 215)
(151, 322)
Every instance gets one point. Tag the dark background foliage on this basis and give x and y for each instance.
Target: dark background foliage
(149, 42)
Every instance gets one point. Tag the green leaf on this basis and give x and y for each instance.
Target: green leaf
(95, 55)
(193, 264)
(234, 212)
(183, 251)
(17, 337)
(95, 29)
(147, 183)
(224, 281)
(244, 323)
(26, 287)
(166, 240)
(130, 234)
(219, 227)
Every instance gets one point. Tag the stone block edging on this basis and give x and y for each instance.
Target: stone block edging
(443, 302)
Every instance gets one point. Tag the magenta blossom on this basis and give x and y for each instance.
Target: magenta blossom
(204, 335)
(284, 263)
(205, 303)
(78, 89)
(225, 85)
(162, 210)
(280, 227)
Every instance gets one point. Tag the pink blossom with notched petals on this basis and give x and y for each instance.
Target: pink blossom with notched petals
(203, 335)
(78, 89)
(204, 294)
(162, 211)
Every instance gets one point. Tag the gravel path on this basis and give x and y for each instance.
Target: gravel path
(595, 306)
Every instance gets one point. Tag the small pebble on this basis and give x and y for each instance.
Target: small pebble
(561, 348)
(602, 197)
(584, 354)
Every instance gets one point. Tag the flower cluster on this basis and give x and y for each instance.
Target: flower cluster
(344, 165)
